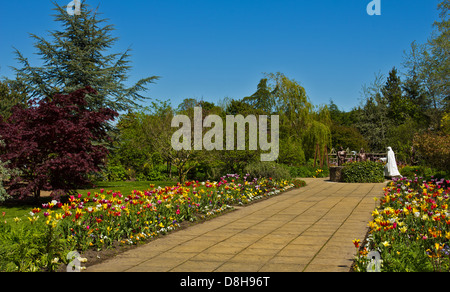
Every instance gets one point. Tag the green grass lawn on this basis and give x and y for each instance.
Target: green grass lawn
(22, 210)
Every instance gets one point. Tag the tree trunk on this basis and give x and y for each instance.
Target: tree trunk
(37, 194)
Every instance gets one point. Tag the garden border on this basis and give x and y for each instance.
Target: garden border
(97, 257)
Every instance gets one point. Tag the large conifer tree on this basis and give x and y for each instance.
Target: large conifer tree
(77, 56)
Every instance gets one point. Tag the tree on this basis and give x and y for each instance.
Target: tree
(54, 143)
(156, 132)
(398, 106)
(434, 149)
(373, 120)
(431, 64)
(5, 176)
(347, 137)
(439, 57)
(342, 118)
(9, 97)
(263, 97)
(316, 134)
(131, 153)
(417, 98)
(291, 102)
(76, 57)
(415, 86)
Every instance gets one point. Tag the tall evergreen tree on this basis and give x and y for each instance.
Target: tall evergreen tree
(262, 98)
(398, 106)
(373, 121)
(76, 57)
(415, 94)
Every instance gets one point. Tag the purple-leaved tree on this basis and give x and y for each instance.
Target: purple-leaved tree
(55, 143)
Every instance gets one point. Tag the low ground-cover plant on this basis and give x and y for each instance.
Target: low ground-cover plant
(298, 183)
(309, 171)
(422, 171)
(363, 172)
(410, 230)
(100, 220)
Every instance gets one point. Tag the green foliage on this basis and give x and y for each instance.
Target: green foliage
(308, 170)
(262, 98)
(142, 149)
(317, 133)
(401, 138)
(434, 149)
(373, 120)
(399, 106)
(9, 97)
(339, 117)
(416, 171)
(347, 137)
(148, 132)
(291, 151)
(437, 59)
(116, 173)
(267, 170)
(31, 247)
(363, 172)
(5, 176)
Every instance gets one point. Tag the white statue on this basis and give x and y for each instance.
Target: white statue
(391, 169)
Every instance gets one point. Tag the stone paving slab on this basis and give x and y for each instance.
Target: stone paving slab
(304, 230)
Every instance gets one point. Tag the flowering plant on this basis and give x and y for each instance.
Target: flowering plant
(411, 227)
(103, 219)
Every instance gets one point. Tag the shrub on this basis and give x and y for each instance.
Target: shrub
(267, 170)
(4, 176)
(420, 171)
(298, 183)
(434, 149)
(363, 172)
(154, 173)
(423, 172)
(308, 171)
(116, 173)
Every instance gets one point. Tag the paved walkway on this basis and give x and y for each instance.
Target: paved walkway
(309, 229)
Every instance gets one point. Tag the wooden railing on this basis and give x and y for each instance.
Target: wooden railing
(333, 160)
(322, 157)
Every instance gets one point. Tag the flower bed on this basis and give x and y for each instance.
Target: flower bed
(410, 230)
(107, 218)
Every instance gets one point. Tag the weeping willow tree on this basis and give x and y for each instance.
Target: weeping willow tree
(291, 103)
(317, 134)
(301, 125)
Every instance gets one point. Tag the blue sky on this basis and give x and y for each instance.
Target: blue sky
(214, 49)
